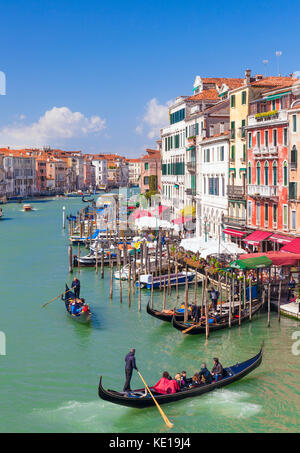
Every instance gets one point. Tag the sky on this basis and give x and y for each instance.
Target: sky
(99, 76)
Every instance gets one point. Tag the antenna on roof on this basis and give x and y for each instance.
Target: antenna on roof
(278, 54)
(265, 63)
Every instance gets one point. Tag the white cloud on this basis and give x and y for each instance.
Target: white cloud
(56, 124)
(156, 117)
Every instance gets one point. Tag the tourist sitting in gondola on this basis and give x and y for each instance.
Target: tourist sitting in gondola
(217, 370)
(166, 385)
(205, 374)
(196, 379)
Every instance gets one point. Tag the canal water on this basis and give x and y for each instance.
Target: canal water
(50, 373)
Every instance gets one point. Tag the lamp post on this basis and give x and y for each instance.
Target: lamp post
(64, 217)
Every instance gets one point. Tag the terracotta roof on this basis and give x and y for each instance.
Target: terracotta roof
(274, 82)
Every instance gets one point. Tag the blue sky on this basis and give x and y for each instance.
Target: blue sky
(120, 63)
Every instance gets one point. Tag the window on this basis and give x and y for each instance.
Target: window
(285, 136)
(232, 101)
(258, 138)
(275, 173)
(285, 174)
(243, 128)
(285, 216)
(274, 105)
(177, 116)
(293, 220)
(250, 140)
(266, 173)
(258, 173)
(146, 166)
(232, 129)
(294, 123)
(258, 213)
(244, 153)
(274, 137)
(146, 180)
(275, 214)
(249, 173)
(232, 154)
(292, 190)
(266, 138)
(244, 97)
(294, 157)
(222, 153)
(249, 213)
(266, 214)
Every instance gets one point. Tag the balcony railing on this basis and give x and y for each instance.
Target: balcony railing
(262, 191)
(190, 192)
(267, 117)
(234, 221)
(191, 166)
(236, 191)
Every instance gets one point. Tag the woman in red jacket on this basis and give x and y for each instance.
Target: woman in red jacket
(166, 384)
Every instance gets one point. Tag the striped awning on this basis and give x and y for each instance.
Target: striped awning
(256, 237)
(233, 232)
(276, 96)
(280, 239)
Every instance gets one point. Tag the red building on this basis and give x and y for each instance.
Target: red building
(268, 160)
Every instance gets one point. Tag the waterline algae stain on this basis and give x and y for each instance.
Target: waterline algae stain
(50, 373)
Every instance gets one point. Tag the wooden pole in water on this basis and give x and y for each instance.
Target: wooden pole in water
(70, 255)
(160, 259)
(279, 298)
(78, 257)
(156, 254)
(119, 268)
(102, 260)
(250, 299)
(206, 316)
(269, 303)
(177, 290)
(96, 245)
(221, 295)
(240, 301)
(169, 270)
(245, 292)
(111, 276)
(230, 297)
(186, 302)
(142, 257)
(134, 271)
(195, 289)
(152, 286)
(140, 290)
(129, 280)
(147, 271)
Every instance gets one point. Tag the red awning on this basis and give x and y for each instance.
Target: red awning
(277, 258)
(236, 233)
(292, 247)
(181, 220)
(280, 239)
(140, 213)
(162, 208)
(256, 237)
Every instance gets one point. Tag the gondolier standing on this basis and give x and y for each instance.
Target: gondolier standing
(129, 366)
(76, 287)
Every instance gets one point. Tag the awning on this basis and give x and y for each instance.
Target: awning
(280, 239)
(276, 96)
(181, 220)
(236, 233)
(140, 213)
(277, 258)
(256, 237)
(162, 209)
(251, 263)
(190, 148)
(292, 247)
(188, 211)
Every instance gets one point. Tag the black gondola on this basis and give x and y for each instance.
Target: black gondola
(223, 324)
(141, 398)
(83, 316)
(165, 315)
(87, 201)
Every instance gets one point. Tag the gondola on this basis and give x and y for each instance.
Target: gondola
(140, 398)
(84, 316)
(87, 201)
(223, 324)
(164, 315)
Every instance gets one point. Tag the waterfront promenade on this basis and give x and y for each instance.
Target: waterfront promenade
(50, 373)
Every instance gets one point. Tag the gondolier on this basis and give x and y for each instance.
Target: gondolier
(76, 287)
(130, 364)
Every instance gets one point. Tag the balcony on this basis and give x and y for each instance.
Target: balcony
(262, 191)
(191, 166)
(190, 192)
(234, 221)
(275, 116)
(236, 192)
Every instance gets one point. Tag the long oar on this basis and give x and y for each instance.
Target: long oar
(166, 420)
(190, 328)
(52, 300)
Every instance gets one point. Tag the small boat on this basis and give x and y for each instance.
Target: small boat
(166, 315)
(87, 201)
(146, 280)
(90, 259)
(84, 315)
(213, 325)
(27, 207)
(140, 398)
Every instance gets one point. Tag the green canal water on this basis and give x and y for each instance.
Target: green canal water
(50, 373)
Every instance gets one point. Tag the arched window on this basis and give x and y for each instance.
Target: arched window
(275, 177)
(294, 157)
(266, 173)
(258, 173)
(285, 173)
(249, 173)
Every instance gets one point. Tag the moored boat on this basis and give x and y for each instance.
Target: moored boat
(27, 207)
(215, 323)
(166, 315)
(81, 313)
(146, 280)
(140, 398)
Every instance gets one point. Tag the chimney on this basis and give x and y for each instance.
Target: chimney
(259, 77)
(247, 76)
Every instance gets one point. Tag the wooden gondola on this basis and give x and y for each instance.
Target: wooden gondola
(84, 316)
(223, 324)
(87, 201)
(140, 398)
(164, 315)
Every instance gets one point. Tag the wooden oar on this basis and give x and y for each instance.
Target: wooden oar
(166, 420)
(52, 300)
(190, 328)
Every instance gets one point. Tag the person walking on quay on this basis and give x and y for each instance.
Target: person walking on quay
(130, 364)
(76, 287)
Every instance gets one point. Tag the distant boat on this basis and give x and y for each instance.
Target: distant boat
(27, 207)
(84, 315)
(146, 280)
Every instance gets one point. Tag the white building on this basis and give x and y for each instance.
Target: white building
(20, 175)
(100, 165)
(134, 169)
